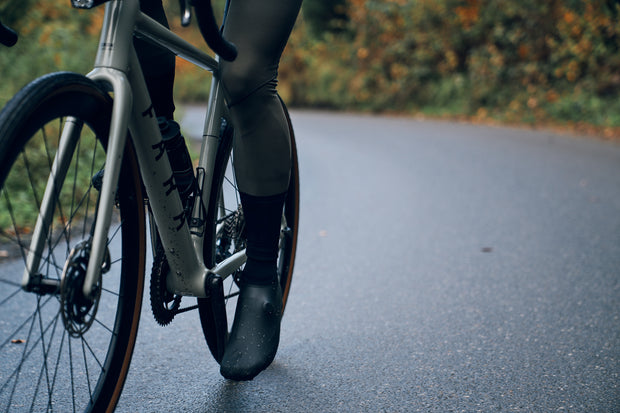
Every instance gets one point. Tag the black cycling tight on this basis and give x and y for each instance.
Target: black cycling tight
(260, 30)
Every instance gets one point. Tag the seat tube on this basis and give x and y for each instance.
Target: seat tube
(208, 153)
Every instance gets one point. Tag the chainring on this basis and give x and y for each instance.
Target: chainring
(164, 304)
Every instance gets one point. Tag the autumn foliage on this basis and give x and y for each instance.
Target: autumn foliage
(518, 59)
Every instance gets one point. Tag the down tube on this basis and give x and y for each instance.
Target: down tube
(187, 271)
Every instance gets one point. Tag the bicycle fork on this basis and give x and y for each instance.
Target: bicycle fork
(66, 148)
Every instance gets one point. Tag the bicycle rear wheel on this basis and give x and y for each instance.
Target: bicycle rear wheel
(60, 351)
(225, 219)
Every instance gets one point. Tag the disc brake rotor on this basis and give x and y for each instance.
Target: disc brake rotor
(78, 311)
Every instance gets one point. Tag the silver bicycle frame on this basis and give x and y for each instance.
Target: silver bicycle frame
(117, 67)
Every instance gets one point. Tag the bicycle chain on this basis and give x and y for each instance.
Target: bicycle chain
(166, 305)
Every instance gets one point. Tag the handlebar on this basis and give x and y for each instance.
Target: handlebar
(209, 29)
(8, 36)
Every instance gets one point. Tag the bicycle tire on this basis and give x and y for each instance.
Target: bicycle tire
(58, 353)
(223, 176)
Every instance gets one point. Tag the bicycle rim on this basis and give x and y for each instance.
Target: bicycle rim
(59, 351)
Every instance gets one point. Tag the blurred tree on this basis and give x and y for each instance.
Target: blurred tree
(11, 11)
(325, 15)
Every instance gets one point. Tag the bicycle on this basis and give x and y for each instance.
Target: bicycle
(70, 303)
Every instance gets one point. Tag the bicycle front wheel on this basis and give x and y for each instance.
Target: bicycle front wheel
(226, 236)
(59, 350)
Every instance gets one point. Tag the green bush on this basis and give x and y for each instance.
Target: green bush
(517, 60)
(513, 59)
(52, 37)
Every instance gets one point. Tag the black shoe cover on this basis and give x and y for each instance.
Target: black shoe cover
(255, 333)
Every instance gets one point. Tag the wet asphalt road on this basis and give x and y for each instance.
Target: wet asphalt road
(441, 267)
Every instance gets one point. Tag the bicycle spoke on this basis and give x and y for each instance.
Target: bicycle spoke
(57, 365)
(31, 179)
(44, 367)
(37, 201)
(109, 291)
(14, 333)
(116, 261)
(233, 182)
(86, 368)
(111, 237)
(41, 335)
(17, 372)
(71, 373)
(104, 326)
(73, 189)
(12, 283)
(54, 343)
(22, 247)
(29, 171)
(9, 238)
(43, 350)
(67, 228)
(92, 173)
(91, 351)
(231, 295)
(9, 207)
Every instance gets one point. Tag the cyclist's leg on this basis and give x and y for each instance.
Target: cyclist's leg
(262, 153)
(260, 30)
(158, 66)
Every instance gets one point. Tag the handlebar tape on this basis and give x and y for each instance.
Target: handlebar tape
(8, 36)
(209, 29)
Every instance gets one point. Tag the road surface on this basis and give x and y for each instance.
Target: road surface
(441, 267)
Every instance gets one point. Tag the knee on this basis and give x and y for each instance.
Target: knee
(242, 80)
(237, 82)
